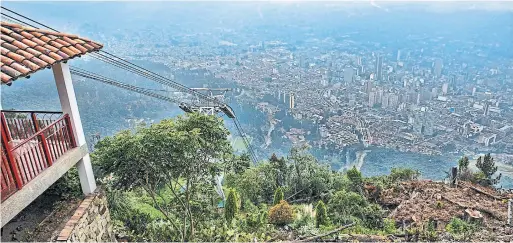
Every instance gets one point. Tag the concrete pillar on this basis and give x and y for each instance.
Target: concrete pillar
(69, 106)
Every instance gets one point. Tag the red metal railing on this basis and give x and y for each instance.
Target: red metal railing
(31, 142)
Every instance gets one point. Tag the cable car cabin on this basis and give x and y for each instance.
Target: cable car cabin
(185, 108)
(228, 111)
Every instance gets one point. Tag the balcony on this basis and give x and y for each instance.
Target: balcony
(31, 143)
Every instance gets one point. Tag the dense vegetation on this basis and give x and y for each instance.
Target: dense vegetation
(179, 180)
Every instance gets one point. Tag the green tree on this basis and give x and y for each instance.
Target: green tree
(308, 178)
(257, 183)
(463, 164)
(356, 179)
(280, 165)
(344, 205)
(278, 196)
(237, 163)
(231, 207)
(488, 168)
(177, 157)
(321, 215)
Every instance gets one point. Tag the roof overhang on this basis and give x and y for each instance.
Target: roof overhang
(26, 50)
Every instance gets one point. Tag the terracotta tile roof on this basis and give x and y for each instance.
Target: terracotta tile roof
(26, 50)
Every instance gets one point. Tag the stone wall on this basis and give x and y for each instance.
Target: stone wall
(91, 221)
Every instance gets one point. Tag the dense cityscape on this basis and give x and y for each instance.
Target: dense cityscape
(434, 96)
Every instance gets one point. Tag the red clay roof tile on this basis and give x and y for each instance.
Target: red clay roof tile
(16, 36)
(81, 48)
(24, 54)
(27, 35)
(5, 77)
(31, 65)
(54, 56)
(45, 38)
(6, 60)
(75, 50)
(46, 58)
(8, 47)
(7, 38)
(19, 45)
(16, 57)
(62, 42)
(63, 55)
(67, 51)
(10, 71)
(65, 38)
(51, 48)
(38, 41)
(26, 50)
(20, 68)
(28, 42)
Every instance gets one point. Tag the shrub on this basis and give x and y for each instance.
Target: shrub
(344, 204)
(403, 174)
(459, 228)
(372, 216)
(389, 226)
(278, 196)
(439, 204)
(281, 214)
(160, 231)
(428, 232)
(68, 186)
(249, 206)
(231, 208)
(321, 216)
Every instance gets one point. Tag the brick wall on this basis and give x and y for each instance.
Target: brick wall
(91, 221)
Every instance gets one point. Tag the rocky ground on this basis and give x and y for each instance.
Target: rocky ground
(40, 219)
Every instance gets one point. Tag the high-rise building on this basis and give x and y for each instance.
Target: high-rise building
(379, 96)
(393, 101)
(437, 67)
(486, 109)
(418, 122)
(368, 86)
(359, 61)
(434, 93)
(348, 75)
(423, 122)
(428, 124)
(385, 100)
(372, 98)
(445, 88)
(291, 101)
(379, 67)
(398, 55)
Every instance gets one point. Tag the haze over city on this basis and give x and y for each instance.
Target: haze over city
(361, 85)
